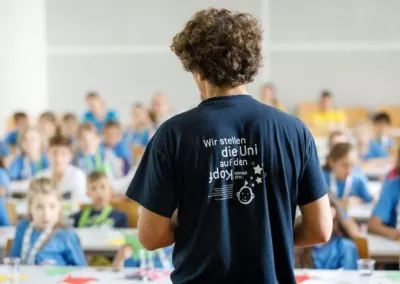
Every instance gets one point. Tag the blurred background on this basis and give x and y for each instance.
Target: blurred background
(53, 52)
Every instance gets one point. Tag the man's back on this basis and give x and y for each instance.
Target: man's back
(237, 169)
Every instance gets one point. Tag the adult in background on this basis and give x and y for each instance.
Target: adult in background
(160, 108)
(97, 113)
(268, 96)
(232, 168)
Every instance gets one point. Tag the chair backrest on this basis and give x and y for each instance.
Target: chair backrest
(362, 246)
(393, 111)
(355, 115)
(129, 207)
(12, 213)
(8, 247)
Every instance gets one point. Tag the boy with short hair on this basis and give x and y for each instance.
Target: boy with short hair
(69, 179)
(100, 212)
(112, 141)
(383, 128)
(92, 156)
(70, 126)
(21, 124)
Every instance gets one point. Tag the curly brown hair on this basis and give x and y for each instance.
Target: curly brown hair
(223, 46)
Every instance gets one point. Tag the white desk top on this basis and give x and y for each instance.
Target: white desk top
(381, 247)
(40, 274)
(360, 212)
(92, 239)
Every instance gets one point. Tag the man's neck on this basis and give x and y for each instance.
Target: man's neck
(213, 92)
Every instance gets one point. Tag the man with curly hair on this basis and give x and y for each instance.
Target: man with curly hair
(232, 169)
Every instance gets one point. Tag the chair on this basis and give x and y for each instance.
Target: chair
(393, 111)
(12, 213)
(362, 247)
(355, 115)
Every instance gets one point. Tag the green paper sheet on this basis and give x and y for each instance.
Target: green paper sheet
(133, 241)
(58, 270)
(395, 276)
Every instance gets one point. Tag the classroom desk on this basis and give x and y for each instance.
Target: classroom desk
(360, 213)
(383, 250)
(94, 241)
(50, 274)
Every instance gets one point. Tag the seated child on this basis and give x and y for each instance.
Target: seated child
(382, 126)
(385, 220)
(138, 134)
(339, 252)
(70, 126)
(4, 185)
(112, 141)
(100, 212)
(32, 160)
(336, 137)
(4, 152)
(268, 96)
(42, 240)
(367, 148)
(93, 157)
(21, 124)
(348, 187)
(98, 114)
(70, 180)
(48, 125)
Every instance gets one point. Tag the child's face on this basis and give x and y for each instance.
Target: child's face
(22, 123)
(381, 129)
(160, 105)
(47, 128)
(338, 139)
(70, 127)
(140, 115)
(32, 142)
(89, 141)
(343, 167)
(112, 135)
(100, 192)
(363, 135)
(45, 210)
(95, 104)
(60, 157)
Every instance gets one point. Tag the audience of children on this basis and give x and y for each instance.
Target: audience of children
(348, 187)
(100, 212)
(70, 180)
(339, 252)
(42, 239)
(327, 116)
(98, 114)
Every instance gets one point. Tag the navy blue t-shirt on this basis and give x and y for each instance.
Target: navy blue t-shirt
(116, 219)
(235, 169)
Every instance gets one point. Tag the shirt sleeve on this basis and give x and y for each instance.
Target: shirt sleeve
(387, 203)
(73, 252)
(312, 185)
(18, 238)
(153, 185)
(4, 220)
(362, 190)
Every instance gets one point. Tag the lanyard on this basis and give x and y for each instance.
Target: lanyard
(30, 168)
(97, 165)
(99, 219)
(29, 251)
(347, 185)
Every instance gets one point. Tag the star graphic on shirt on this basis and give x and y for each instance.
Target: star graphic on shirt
(252, 184)
(251, 177)
(258, 180)
(257, 169)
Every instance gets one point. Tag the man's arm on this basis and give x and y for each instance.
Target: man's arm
(155, 231)
(315, 224)
(376, 226)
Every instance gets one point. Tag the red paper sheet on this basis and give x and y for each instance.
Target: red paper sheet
(78, 280)
(301, 278)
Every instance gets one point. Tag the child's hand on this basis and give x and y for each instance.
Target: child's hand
(396, 235)
(127, 251)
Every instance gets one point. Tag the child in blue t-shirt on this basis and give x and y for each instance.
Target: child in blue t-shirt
(100, 212)
(112, 141)
(339, 252)
(339, 173)
(21, 123)
(368, 149)
(4, 151)
(26, 165)
(93, 157)
(383, 135)
(42, 240)
(385, 220)
(69, 127)
(4, 186)
(98, 115)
